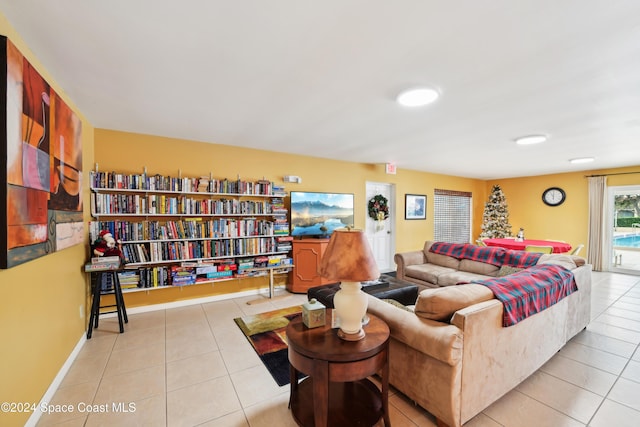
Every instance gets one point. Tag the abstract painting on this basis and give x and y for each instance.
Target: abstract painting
(40, 138)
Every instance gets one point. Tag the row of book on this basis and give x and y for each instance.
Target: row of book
(190, 228)
(189, 273)
(158, 182)
(187, 250)
(160, 204)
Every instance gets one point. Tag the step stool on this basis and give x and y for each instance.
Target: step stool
(105, 283)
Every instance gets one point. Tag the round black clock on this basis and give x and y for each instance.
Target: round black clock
(553, 196)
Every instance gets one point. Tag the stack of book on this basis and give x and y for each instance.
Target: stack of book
(103, 263)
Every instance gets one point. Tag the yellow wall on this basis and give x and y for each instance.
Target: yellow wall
(41, 300)
(131, 153)
(569, 221)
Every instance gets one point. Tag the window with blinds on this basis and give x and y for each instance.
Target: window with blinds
(452, 216)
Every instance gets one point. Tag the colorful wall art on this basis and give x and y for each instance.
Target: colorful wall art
(40, 139)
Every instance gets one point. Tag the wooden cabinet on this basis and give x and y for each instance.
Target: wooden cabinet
(307, 254)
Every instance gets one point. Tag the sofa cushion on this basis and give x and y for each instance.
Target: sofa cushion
(478, 267)
(505, 270)
(459, 277)
(441, 303)
(442, 260)
(426, 272)
(564, 260)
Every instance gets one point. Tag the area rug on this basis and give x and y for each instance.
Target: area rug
(267, 334)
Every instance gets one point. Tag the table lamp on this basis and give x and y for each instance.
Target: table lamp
(349, 260)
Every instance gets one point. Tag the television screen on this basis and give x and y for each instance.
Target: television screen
(319, 214)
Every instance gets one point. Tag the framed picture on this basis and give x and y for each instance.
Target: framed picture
(415, 206)
(41, 187)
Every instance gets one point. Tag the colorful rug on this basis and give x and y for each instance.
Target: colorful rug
(267, 334)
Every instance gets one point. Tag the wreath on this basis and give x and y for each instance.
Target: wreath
(379, 207)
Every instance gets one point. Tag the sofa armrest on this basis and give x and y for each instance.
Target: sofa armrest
(405, 259)
(439, 340)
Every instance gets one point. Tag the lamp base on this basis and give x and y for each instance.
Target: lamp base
(357, 336)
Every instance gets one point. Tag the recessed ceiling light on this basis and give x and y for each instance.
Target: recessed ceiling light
(582, 160)
(417, 97)
(531, 139)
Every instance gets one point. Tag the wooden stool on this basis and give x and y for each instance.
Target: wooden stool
(97, 292)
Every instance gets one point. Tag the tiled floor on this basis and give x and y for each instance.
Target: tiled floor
(192, 366)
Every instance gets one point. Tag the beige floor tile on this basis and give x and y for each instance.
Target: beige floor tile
(579, 374)
(626, 392)
(402, 408)
(614, 332)
(632, 371)
(614, 414)
(255, 385)
(70, 397)
(481, 420)
(620, 322)
(624, 313)
(132, 386)
(134, 359)
(198, 403)
(271, 412)
(187, 314)
(79, 421)
(221, 311)
(195, 369)
(240, 358)
(561, 395)
(519, 410)
(605, 343)
(150, 319)
(191, 342)
(86, 369)
(234, 419)
(593, 357)
(140, 338)
(97, 344)
(145, 412)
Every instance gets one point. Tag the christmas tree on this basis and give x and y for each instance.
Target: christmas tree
(495, 219)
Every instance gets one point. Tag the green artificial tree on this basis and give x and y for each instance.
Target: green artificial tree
(495, 219)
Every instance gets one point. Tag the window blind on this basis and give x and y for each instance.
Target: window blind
(452, 216)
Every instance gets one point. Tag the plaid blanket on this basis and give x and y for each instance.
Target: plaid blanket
(491, 255)
(530, 291)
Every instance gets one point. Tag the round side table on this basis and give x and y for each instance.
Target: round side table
(337, 391)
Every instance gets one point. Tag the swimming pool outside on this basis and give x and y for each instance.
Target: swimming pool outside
(631, 241)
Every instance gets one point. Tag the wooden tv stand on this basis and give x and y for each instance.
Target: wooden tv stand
(307, 254)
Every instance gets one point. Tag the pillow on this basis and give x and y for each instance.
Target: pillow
(505, 270)
(441, 303)
(397, 304)
(564, 260)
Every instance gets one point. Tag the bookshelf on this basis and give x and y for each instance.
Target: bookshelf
(177, 231)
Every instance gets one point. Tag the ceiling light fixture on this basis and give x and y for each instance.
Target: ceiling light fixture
(417, 97)
(581, 160)
(531, 139)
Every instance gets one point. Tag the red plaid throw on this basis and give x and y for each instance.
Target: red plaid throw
(530, 291)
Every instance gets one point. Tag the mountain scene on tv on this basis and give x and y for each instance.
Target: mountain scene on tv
(317, 217)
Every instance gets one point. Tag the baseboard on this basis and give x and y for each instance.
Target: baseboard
(53, 387)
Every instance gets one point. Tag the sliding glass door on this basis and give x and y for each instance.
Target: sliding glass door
(623, 239)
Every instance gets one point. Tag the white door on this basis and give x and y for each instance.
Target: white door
(380, 233)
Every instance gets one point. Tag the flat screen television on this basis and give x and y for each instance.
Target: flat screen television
(315, 214)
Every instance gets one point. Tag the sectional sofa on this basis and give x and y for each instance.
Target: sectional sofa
(452, 354)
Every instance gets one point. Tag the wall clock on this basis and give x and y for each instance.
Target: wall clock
(553, 196)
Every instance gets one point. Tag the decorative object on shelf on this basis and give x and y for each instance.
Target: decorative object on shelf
(415, 206)
(495, 219)
(313, 313)
(349, 260)
(553, 196)
(106, 245)
(520, 235)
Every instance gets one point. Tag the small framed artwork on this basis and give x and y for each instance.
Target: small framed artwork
(415, 206)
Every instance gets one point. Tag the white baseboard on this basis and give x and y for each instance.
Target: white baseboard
(53, 387)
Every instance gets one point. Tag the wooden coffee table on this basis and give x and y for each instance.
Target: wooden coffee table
(337, 391)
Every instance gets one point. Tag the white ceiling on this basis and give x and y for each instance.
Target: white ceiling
(319, 78)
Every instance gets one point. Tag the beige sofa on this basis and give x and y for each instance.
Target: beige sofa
(453, 356)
